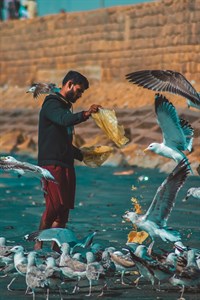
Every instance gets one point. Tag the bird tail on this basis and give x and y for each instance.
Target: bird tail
(168, 234)
(49, 177)
(87, 241)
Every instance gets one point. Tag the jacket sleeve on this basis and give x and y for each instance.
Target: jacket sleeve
(61, 116)
(77, 153)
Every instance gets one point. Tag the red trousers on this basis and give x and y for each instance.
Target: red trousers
(59, 197)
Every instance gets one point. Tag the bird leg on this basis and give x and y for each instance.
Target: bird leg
(33, 295)
(61, 297)
(137, 282)
(27, 289)
(8, 286)
(105, 287)
(182, 292)
(76, 288)
(47, 295)
(122, 278)
(90, 289)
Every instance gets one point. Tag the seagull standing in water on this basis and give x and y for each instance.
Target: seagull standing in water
(177, 133)
(166, 81)
(155, 220)
(9, 163)
(43, 88)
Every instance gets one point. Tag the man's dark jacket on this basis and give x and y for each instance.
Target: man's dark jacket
(56, 123)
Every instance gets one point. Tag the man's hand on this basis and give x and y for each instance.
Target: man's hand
(93, 109)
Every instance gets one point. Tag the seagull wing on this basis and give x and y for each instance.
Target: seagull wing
(60, 235)
(24, 167)
(88, 240)
(38, 171)
(164, 199)
(169, 122)
(41, 88)
(166, 81)
(188, 132)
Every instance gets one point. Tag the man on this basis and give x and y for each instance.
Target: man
(56, 152)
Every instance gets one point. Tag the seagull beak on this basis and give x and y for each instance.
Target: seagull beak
(185, 199)
(125, 218)
(2, 158)
(145, 150)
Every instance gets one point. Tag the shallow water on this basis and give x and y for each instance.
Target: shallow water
(101, 200)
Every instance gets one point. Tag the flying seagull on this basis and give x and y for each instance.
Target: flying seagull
(42, 88)
(177, 133)
(9, 163)
(155, 220)
(166, 81)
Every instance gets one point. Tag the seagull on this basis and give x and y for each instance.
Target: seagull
(35, 275)
(109, 269)
(93, 270)
(143, 268)
(155, 220)
(152, 269)
(123, 263)
(54, 276)
(190, 275)
(70, 267)
(195, 192)
(4, 250)
(182, 250)
(8, 163)
(20, 263)
(164, 271)
(166, 81)
(177, 133)
(60, 236)
(43, 88)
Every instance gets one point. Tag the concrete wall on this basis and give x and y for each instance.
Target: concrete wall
(103, 44)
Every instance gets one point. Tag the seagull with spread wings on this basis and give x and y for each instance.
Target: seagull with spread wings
(60, 236)
(9, 163)
(39, 88)
(166, 81)
(155, 220)
(177, 133)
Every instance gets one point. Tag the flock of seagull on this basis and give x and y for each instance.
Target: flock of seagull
(84, 258)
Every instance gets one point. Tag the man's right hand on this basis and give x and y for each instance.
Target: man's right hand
(93, 109)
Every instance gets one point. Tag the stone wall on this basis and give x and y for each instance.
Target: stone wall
(104, 44)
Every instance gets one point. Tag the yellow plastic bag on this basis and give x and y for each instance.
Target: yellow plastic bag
(107, 121)
(137, 237)
(96, 156)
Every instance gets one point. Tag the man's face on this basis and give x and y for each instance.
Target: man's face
(74, 92)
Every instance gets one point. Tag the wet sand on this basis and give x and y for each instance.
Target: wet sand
(102, 198)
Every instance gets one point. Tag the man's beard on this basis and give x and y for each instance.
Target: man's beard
(71, 96)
